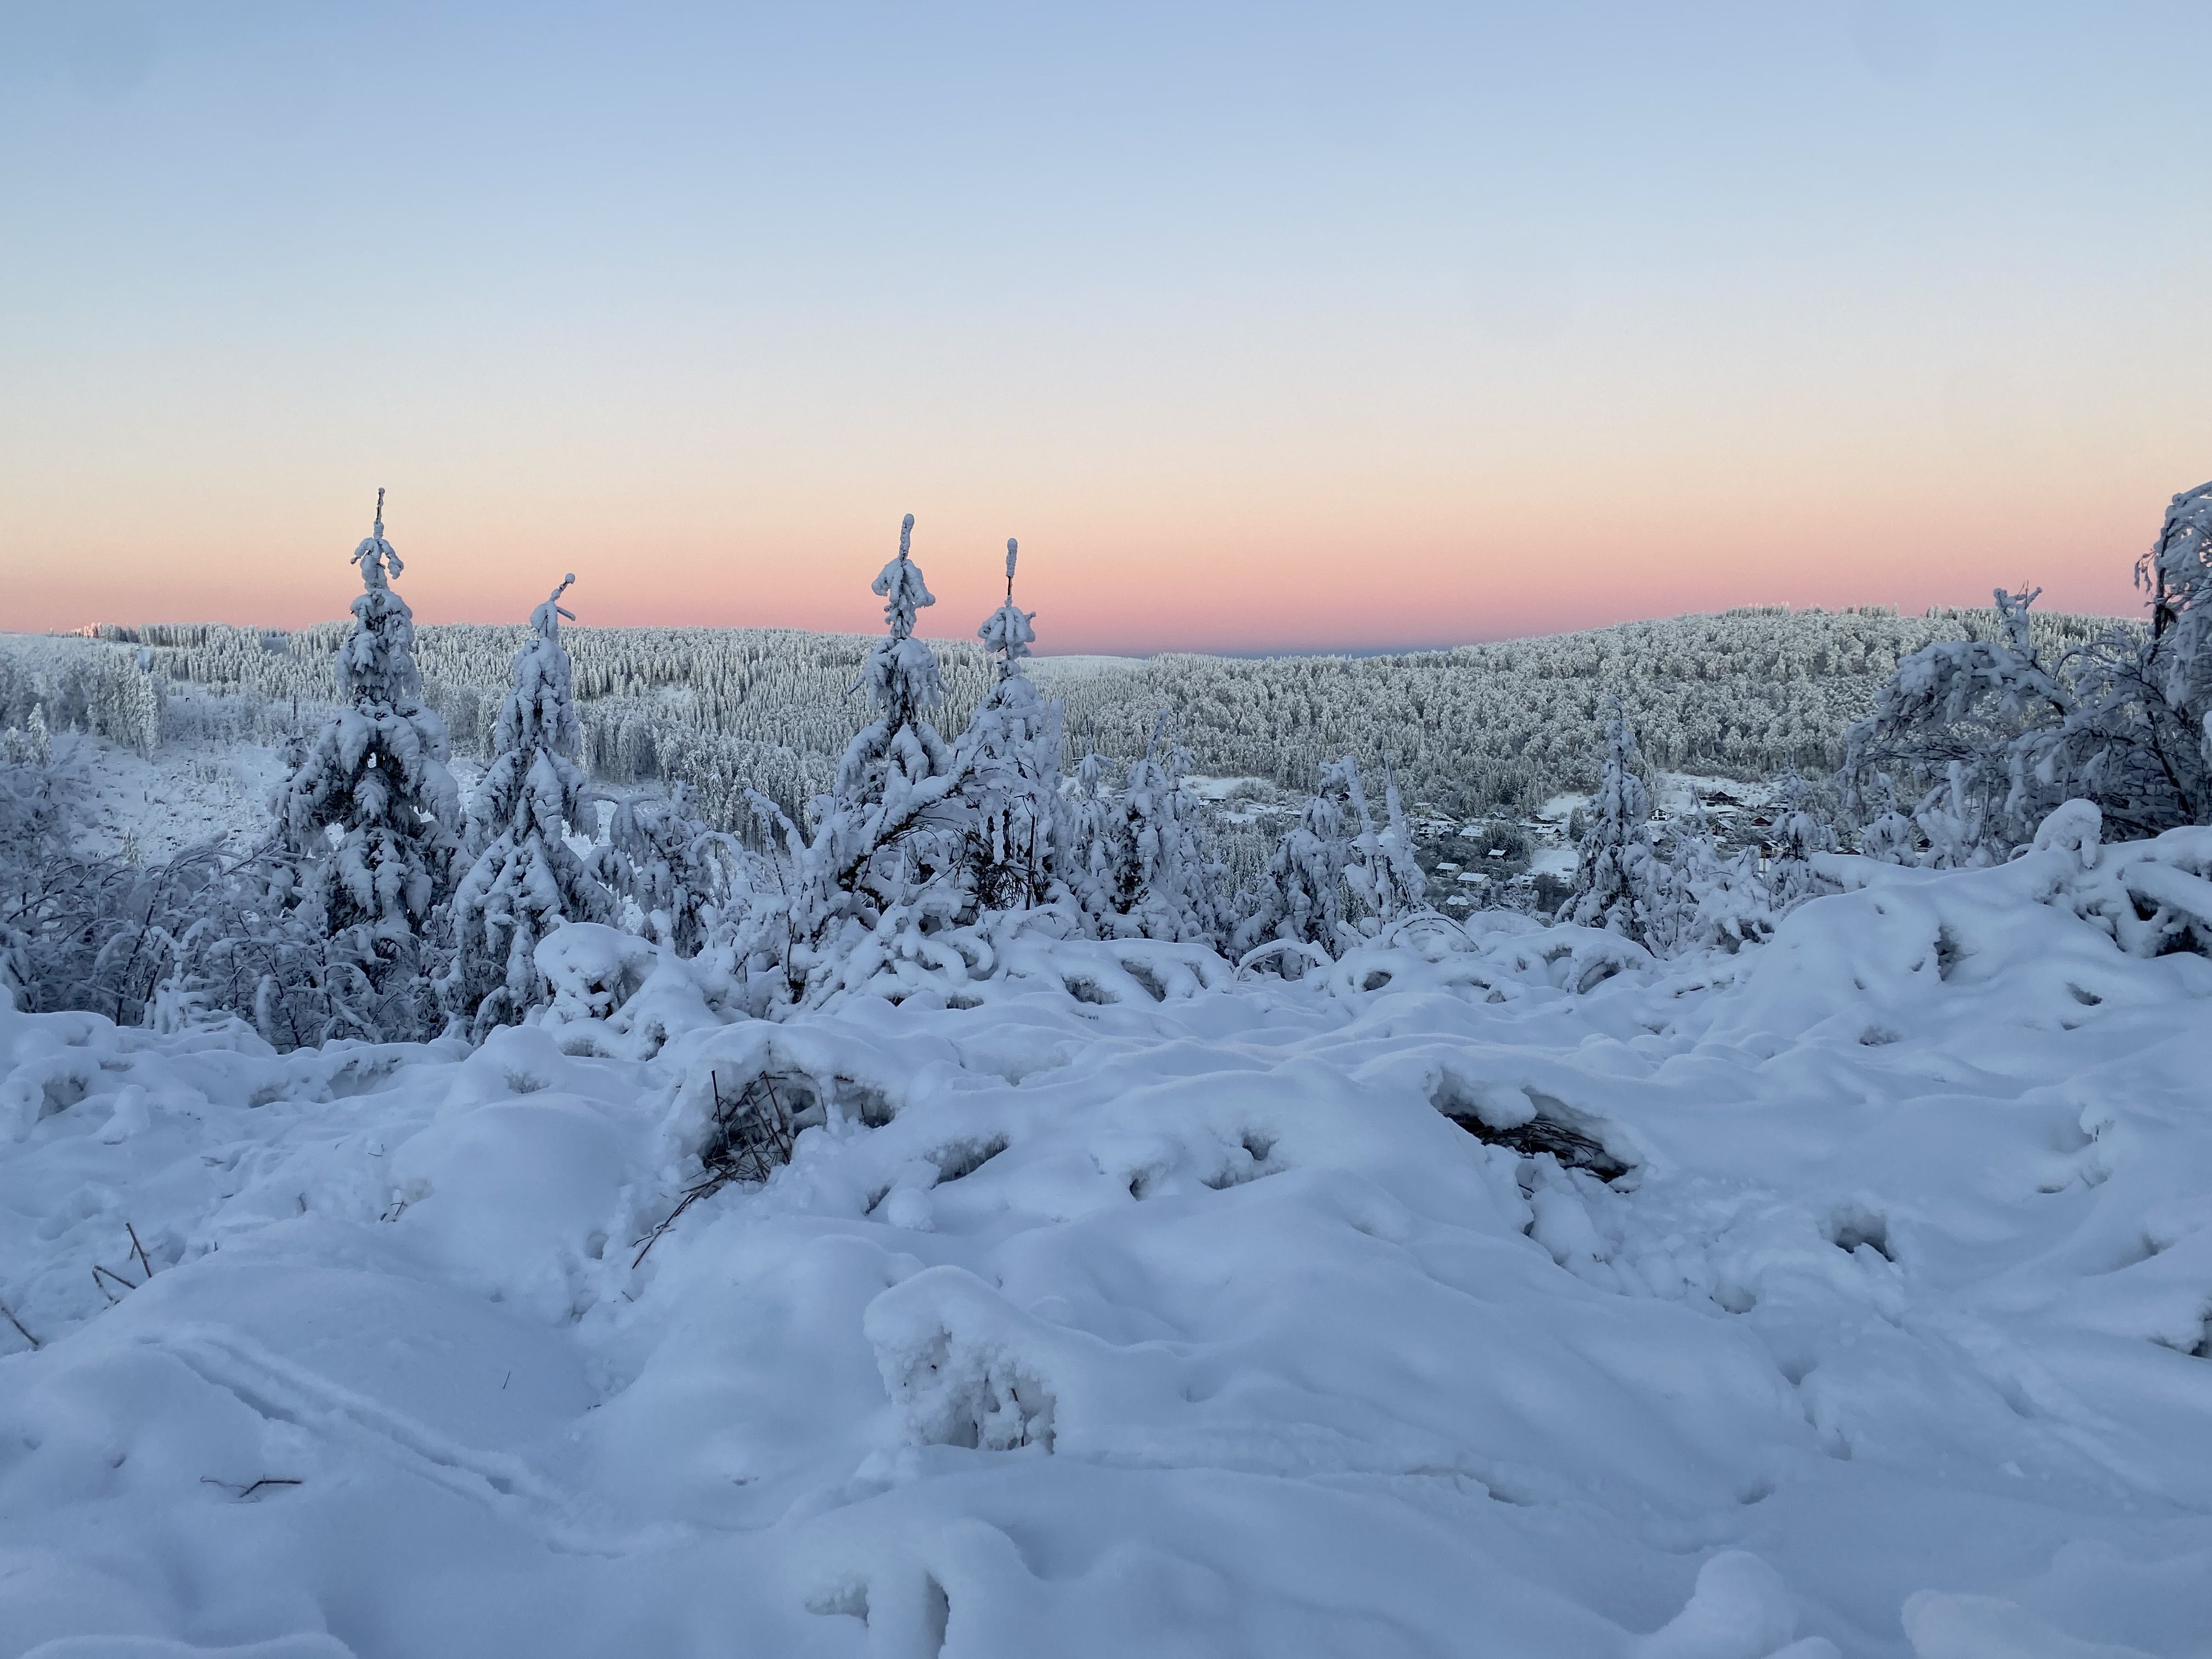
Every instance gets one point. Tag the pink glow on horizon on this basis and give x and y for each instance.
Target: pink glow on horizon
(1130, 588)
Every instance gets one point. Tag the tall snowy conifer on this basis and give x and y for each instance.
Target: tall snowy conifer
(1012, 751)
(884, 840)
(370, 809)
(900, 750)
(525, 880)
(1616, 875)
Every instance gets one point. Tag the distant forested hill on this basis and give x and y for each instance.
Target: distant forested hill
(1739, 694)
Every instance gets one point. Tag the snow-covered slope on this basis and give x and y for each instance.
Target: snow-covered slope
(1138, 1310)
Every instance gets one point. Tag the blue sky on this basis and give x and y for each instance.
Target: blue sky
(1287, 325)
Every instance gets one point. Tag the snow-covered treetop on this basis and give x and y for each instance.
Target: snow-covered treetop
(901, 584)
(374, 555)
(2178, 569)
(1007, 631)
(547, 618)
(902, 673)
(376, 665)
(540, 712)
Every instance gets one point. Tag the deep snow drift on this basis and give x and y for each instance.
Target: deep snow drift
(1136, 1309)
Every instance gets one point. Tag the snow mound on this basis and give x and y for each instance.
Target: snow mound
(1500, 1291)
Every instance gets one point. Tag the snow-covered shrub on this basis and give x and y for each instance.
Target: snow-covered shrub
(1801, 833)
(2151, 897)
(1144, 862)
(1999, 732)
(1704, 899)
(1294, 913)
(683, 877)
(1617, 871)
(1886, 834)
(1381, 868)
(524, 880)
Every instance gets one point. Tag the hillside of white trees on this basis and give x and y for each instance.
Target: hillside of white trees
(1505, 725)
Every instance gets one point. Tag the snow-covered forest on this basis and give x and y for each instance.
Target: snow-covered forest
(1740, 695)
(1675, 1142)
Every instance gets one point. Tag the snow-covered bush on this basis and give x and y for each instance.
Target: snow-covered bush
(1294, 912)
(524, 880)
(1381, 868)
(1143, 860)
(1616, 868)
(1801, 833)
(1998, 731)
(683, 877)
(2151, 897)
(1703, 898)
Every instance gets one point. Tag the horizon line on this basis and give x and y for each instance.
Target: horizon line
(90, 630)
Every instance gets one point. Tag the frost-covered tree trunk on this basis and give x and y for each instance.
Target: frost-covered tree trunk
(1011, 755)
(1615, 867)
(369, 809)
(524, 880)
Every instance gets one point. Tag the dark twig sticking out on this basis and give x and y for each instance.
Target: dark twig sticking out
(98, 1272)
(752, 1138)
(245, 1492)
(9, 1314)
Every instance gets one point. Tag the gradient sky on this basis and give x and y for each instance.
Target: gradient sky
(1272, 325)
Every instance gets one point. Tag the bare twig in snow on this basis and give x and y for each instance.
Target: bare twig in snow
(9, 1314)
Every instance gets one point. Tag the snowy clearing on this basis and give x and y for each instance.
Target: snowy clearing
(1142, 1310)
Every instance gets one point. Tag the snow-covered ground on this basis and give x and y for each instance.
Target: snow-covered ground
(181, 796)
(1136, 1309)
(1075, 666)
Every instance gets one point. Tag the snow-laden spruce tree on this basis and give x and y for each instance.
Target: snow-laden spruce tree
(1011, 755)
(681, 875)
(1148, 869)
(1083, 836)
(524, 879)
(1616, 870)
(370, 811)
(882, 855)
(1298, 899)
(1381, 868)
